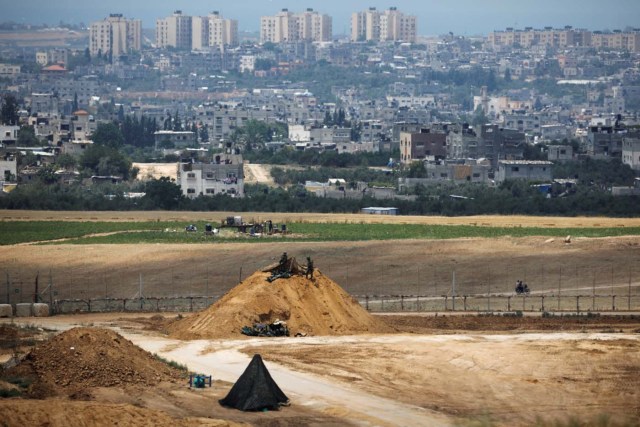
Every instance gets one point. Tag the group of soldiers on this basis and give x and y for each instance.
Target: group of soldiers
(283, 266)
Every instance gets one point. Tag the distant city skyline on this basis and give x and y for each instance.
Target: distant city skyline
(462, 17)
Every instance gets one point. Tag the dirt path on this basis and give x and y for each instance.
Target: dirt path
(227, 363)
(423, 379)
(257, 174)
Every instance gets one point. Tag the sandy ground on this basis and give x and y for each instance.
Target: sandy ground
(258, 174)
(150, 171)
(406, 379)
(408, 267)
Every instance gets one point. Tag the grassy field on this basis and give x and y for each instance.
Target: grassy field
(75, 232)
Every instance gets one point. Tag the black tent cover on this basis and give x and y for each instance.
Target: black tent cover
(255, 389)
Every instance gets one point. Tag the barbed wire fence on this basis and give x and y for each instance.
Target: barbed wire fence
(386, 285)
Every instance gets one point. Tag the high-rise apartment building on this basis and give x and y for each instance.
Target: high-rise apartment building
(287, 26)
(174, 31)
(222, 32)
(115, 36)
(390, 25)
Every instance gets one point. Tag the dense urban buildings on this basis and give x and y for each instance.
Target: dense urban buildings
(566, 37)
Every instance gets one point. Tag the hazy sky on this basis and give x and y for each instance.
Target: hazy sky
(464, 17)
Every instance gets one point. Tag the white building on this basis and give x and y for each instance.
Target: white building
(115, 35)
(631, 151)
(390, 25)
(174, 31)
(8, 168)
(287, 26)
(222, 176)
(9, 70)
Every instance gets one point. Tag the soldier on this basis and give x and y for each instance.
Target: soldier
(283, 262)
(309, 273)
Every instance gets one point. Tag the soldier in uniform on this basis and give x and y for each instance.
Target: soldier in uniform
(309, 273)
(283, 263)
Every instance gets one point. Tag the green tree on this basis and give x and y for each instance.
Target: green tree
(105, 160)
(9, 111)
(109, 135)
(66, 161)
(27, 137)
(163, 193)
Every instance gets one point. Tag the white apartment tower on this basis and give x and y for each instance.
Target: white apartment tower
(213, 30)
(287, 26)
(115, 35)
(174, 31)
(390, 25)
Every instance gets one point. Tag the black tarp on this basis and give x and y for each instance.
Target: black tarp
(255, 389)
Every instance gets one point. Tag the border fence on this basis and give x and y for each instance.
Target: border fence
(384, 285)
(378, 303)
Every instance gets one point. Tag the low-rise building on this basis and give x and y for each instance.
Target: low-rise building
(560, 153)
(631, 150)
(224, 175)
(419, 146)
(529, 170)
(174, 139)
(8, 167)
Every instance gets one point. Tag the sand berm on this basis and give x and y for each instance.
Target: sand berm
(314, 307)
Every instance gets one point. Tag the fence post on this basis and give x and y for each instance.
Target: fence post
(418, 303)
(509, 303)
(542, 297)
(401, 302)
(464, 304)
(613, 303)
(445, 303)
(578, 304)
(366, 300)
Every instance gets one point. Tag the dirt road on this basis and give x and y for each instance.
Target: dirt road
(258, 174)
(414, 379)
(225, 360)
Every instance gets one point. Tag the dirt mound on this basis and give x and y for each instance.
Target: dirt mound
(62, 413)
(318, 307)
(88, 357)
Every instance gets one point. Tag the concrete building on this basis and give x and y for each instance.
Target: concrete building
(287, 26)
(530, 170)
(566, 37)
(52, 56)
(224, 175)
(390, 25)
(9, 70)
(8, 167)
(425, 144)
(631, 150)
(115, 36)
(174, 31)
(9, 135)
(174, 139)
(605, 141)
(213, 31)
(560, 153)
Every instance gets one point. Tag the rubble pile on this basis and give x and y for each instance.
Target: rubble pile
(317, 306)
(87, 357)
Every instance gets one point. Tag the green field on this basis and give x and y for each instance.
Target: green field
(13, 232)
